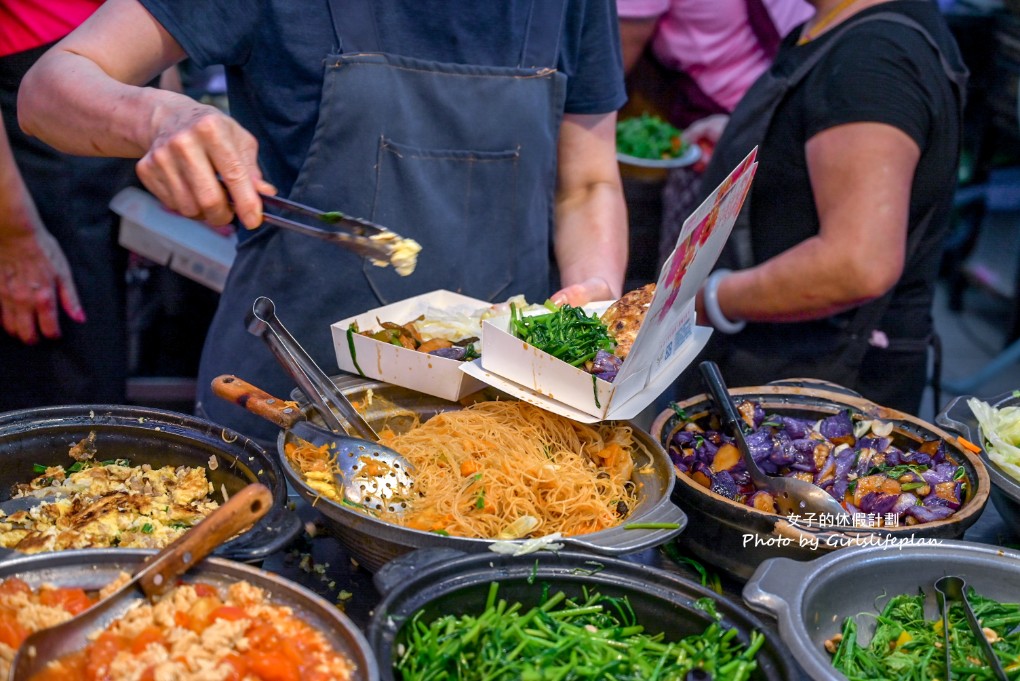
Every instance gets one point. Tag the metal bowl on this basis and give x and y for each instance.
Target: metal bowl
(958, 417)
(373, 542)
(159, 438)
(442, 582)
(93, 569)
(812, 599)
(737, 538)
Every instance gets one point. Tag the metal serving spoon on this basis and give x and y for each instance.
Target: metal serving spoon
(154, 578)
(366, 477)
(370, 473)
(954, 589)
(793, 497)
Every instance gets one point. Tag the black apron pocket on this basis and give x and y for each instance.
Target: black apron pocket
(449, 201)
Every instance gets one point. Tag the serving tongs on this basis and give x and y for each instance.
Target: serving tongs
(370, 474)
(954, 589)
(354, 234)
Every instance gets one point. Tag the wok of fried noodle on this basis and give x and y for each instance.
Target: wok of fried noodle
(504, 470)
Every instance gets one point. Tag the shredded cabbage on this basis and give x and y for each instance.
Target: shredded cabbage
(1000, 429)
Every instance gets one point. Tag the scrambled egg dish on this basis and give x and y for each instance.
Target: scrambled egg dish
(94, 504)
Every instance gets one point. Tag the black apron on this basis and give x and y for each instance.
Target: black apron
(89, 363)
(461, 158)
(762, 353)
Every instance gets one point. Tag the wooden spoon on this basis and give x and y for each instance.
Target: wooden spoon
(154, 578)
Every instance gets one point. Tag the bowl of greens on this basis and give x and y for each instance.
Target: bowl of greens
(872, 613)
(991, 428)
(561, 616)
(648, 141)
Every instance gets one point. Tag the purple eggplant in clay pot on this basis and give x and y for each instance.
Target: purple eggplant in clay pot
(889, 470)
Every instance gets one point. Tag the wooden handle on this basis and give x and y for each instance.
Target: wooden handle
(240, 512)
(257, 401)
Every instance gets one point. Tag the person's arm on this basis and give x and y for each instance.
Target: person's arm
(861, 176)
(34, 274)
(86, 96)
(591, 215)
(634, 36)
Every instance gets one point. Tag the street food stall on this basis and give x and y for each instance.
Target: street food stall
(471, 495)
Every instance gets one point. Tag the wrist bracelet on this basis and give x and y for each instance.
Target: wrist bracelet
(711, 299)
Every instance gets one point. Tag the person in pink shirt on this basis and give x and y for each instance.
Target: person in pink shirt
(719, 46)
(690, 61)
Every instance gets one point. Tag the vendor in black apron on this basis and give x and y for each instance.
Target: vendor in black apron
(440, 120)
(830, 271)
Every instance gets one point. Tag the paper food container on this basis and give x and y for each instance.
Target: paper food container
(186, 246)
(667, 343)
(419, 371)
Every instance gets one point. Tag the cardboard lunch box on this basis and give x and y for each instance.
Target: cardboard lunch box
(419, 371)
(668, 341)
(188, 247)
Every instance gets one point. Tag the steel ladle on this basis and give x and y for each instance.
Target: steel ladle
(793, 497)
(370, 474)
(154, 578)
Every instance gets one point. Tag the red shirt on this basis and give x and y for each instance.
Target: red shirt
(25, 24)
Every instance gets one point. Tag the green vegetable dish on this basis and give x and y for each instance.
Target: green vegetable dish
(650, 137)
(567, 639)
(908, 645)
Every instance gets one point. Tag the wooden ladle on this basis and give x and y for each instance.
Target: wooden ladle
(154, 578)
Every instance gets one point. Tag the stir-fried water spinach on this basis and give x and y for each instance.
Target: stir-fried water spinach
(567, 639)
(908, 646)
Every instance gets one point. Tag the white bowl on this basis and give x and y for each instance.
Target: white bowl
(690, 156)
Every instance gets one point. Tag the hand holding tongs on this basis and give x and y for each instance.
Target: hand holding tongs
(360, 236)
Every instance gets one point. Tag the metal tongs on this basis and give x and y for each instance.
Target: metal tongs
(370, 473)
(360, 236)
(954, 590)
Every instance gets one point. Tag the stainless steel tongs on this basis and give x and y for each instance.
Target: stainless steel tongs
(360, 236)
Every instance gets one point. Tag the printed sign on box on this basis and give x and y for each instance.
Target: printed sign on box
(667, 343)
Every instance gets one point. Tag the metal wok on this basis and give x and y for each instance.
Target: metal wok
(373, 542)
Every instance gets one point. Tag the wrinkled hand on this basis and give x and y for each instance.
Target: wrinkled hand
(34, 275)
(588, 291)
(193, 144)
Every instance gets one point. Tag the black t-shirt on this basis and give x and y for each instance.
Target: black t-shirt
(274, 52)
(878, 72)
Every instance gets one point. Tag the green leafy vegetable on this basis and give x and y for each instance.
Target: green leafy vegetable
(650, 137)
(590, 637)
(908, 645)
(568, 333)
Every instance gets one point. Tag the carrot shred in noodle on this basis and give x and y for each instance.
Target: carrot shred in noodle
(480, 469)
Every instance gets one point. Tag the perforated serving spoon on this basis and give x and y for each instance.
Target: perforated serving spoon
(793, 497)
(370, 474)
(154, 578)
(364, 478)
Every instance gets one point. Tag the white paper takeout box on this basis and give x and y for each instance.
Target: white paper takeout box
(419, 371)
(667, 343)
(188, 247)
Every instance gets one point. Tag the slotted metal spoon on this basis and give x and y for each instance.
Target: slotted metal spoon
(154, 578)
(370, 474)
(793, 497)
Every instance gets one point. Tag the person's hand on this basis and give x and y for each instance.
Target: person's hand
(705, 132)
(34, 276)
(195, 147)
(591, 290)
